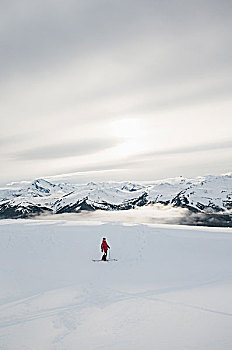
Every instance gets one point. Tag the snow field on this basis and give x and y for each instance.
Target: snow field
(170, 289)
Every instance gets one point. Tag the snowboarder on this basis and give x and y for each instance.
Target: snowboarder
(104, 248)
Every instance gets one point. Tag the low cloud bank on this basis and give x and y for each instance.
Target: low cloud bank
(153, 214)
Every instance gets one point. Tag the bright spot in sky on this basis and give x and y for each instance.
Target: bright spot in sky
(127, 128)
(132, 131)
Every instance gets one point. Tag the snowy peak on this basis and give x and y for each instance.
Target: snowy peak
(213, 194)
(42, 185)
(209, 194)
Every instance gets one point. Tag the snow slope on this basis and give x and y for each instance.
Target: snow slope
(170, 289)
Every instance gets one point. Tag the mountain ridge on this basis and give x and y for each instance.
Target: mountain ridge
(208, 195)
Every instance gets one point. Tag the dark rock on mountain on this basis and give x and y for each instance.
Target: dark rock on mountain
(9, 211)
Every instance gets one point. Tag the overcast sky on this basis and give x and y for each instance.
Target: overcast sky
(115, 90)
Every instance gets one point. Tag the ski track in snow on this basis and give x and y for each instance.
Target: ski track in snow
(89, 301)
(163, 274)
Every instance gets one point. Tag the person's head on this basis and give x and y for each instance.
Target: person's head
(104, 239)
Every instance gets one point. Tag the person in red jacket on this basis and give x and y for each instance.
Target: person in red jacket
(104, 248)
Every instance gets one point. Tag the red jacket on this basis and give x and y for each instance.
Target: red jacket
(104, 246)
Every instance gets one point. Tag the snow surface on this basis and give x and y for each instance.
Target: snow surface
(171, 287)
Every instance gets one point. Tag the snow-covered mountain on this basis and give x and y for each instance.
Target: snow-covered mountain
(209, 194)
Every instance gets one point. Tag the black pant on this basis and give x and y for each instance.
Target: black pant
(104, 256)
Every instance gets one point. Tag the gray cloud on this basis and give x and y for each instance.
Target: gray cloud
(11, 139)
(144, 161)
(100, 167)
(45, 32)
(140, 48)
(65, 150)
(73, 62)
(197, 148)
(219, 90)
